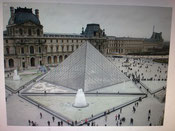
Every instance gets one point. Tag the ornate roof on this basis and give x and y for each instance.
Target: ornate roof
(22, 15)
(91, 29)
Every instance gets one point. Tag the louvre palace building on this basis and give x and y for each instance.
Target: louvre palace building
(27, 46)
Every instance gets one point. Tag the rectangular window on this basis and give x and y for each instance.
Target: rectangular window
(67, 47)
(57, 48)
(7, 50)
(22, 50)
(51, 48)
(39, 49)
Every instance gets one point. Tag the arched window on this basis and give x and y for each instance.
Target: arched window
(65, 56)
(49, 59)
(38, 32)
(29, 32)
(60, 58)
(11, 63)
(32, 61)
(31, 50)
(55, 59)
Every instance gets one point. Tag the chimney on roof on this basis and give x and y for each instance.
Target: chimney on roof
(12, 11)
(37, 13)
(82, 31)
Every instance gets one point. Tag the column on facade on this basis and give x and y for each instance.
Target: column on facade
(52, 59)
(28, 62)
(74, 47)
(6, 62)
(64, 48)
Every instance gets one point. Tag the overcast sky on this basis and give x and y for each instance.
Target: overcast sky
(120, 21)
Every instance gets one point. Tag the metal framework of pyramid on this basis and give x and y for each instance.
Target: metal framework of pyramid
(85, 68)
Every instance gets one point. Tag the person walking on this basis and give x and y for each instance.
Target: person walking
(120, 122)
(48, 122)
(58, 123)
(61, 123)
(117, 123)
(134, 109)
(29, 122)
(118, 116)
(131, 121)
(149, 112)
(53, 118)
(41, 115)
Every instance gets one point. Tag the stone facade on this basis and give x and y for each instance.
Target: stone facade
(27, 46)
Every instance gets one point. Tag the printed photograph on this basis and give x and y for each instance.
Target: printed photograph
(85, 64)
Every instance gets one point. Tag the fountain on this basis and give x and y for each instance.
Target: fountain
(16, 77)
(80, 100)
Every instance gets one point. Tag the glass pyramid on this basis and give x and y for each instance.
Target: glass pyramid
(86, 68)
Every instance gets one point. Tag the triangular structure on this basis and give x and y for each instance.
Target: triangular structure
(86, 68)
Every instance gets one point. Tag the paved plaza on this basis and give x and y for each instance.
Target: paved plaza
(58, 100)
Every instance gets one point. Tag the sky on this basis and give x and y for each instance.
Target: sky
(117, 20)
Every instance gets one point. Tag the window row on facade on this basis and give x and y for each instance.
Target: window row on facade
(33, 61)
(24, 31)
(64, 41)
(41, 49)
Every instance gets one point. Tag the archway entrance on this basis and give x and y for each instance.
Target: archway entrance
(11, 63)
(32, 61)
(60, 58)
(55, 59)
